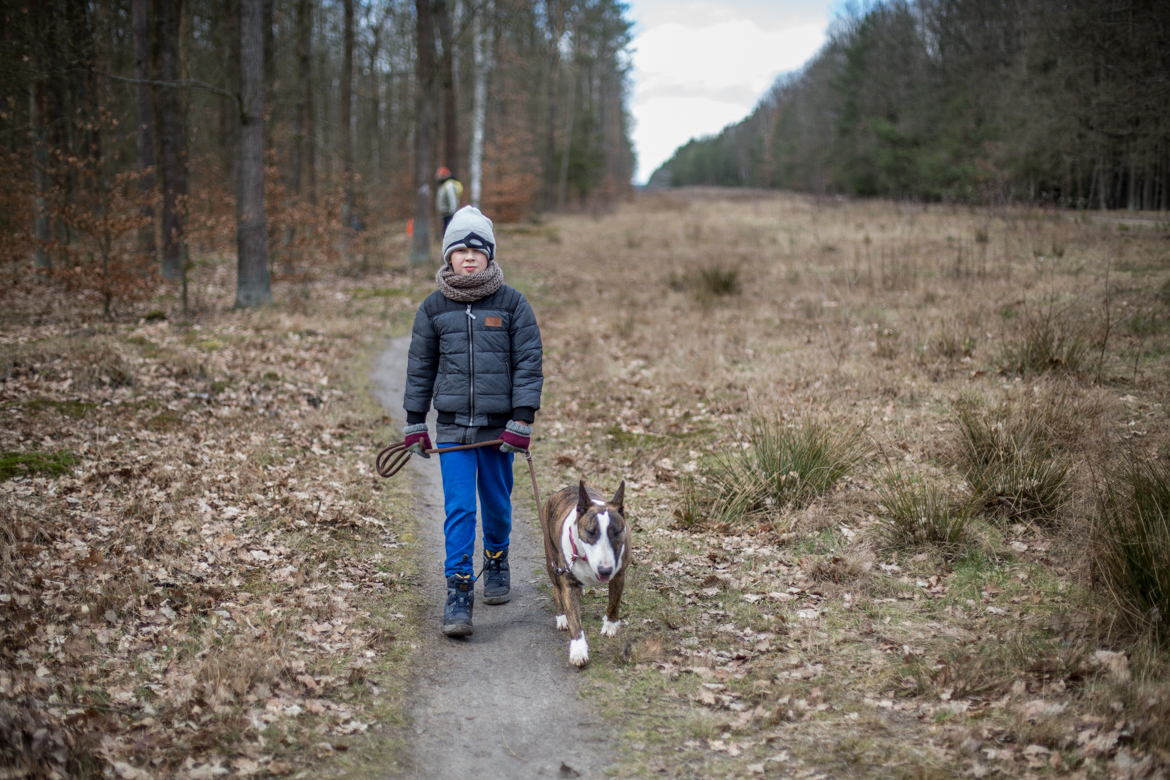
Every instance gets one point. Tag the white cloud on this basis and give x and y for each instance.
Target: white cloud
(703, 67)
(666, 123)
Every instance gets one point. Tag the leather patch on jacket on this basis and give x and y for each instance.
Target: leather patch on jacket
(493, 322)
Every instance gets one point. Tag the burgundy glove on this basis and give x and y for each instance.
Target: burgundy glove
(417, 439)
(515, 436)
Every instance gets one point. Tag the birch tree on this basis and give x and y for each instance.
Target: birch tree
(482, 49)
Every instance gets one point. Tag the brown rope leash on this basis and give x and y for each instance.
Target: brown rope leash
(391, 460)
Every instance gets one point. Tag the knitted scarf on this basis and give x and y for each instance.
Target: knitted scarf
(470, 288)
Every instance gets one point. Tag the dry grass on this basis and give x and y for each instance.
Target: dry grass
(792, 640)
(920, 512)
(797, 639)
(774, 464)
(1133, 543)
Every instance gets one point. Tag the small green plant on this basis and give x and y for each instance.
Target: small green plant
(1133, 544)
(22, 464)
(1011, 463)
(777, 463)
(917, 512)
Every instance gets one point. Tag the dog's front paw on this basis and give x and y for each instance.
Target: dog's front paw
(562, 623)
(579, 651)
(609, 629)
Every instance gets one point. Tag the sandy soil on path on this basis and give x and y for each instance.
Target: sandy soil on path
(502, 703)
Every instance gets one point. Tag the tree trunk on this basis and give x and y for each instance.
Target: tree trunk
(228, 29)
(563, 188)
(43, 261)
(252, 282)
(172, 136)
(304, 41)
(424, 130)
(144, 106)
(447, 79)
(309, 142)
(269, 67)
(347, 118)
(554, 93)
(37, 114)
(482, 52)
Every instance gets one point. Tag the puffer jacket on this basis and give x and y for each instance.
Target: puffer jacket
(480, 362)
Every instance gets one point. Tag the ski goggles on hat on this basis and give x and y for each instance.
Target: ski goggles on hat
(474, 240)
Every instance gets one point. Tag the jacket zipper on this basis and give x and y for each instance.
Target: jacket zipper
(471, 361)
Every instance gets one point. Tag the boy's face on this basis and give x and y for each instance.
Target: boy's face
(468, 261)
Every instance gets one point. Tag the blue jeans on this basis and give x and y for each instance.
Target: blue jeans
(491, 471)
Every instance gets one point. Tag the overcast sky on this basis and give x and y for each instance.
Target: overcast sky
(700, 65)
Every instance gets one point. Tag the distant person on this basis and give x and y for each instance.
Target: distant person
(448, 195)
(475, 352)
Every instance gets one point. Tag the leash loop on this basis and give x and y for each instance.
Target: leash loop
(391, 459)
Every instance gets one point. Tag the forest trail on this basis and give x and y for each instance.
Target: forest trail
(502, 703)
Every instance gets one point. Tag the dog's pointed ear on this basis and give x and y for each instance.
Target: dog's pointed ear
(619, 499)
(583, 500)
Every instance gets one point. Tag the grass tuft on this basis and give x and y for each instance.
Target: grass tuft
(1133, 544)
(783, 464)
(1044, 343)
(1012, 465)
(708, 283)
(917, 512)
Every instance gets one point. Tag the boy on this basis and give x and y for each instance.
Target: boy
(475, 349)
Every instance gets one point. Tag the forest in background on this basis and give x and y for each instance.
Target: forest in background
(130, 130)
(1062, 101)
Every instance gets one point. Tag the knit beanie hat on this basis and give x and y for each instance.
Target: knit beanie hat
(469, 228)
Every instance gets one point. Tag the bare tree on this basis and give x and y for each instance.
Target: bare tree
(442, 11)
(306, 143)
(555, 20)
(252, 280)
(172, 135)
(38, 119)
(424, 133)
(302, 113)
(346, 127)
(144, 107)
(483, 63)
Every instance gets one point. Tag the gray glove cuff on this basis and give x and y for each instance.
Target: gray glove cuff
(416, 428)
(519, 429)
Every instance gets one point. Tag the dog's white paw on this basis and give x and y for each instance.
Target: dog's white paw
(562, 623)
(579, 651)
(609, 629)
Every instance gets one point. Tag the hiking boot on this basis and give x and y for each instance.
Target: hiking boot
(497, 582)
(460, 601)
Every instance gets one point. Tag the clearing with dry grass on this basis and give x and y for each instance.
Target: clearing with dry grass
(896, 475)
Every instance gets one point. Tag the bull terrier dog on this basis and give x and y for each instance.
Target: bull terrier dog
(586, 543)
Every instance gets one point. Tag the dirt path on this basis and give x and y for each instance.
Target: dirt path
(503, 703)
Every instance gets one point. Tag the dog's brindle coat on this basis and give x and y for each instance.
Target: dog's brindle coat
(586, 543)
